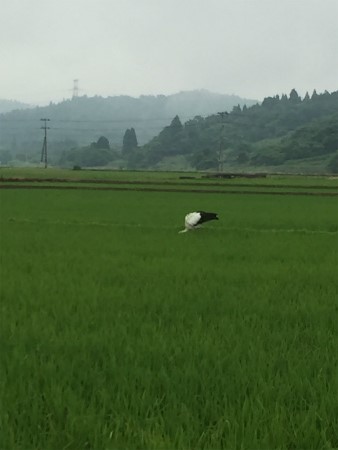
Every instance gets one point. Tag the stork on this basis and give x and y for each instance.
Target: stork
(195, 219)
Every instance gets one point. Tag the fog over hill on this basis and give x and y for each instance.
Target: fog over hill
(11, 105)
(83, 119)
(180, 132)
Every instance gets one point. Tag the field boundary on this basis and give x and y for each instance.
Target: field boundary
(161, 183)
(160, 189)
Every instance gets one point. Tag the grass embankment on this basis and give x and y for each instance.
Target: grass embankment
(165, 181)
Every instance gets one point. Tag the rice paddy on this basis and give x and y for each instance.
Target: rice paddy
(119, 333)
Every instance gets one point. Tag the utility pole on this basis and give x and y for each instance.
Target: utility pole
(44, 145)
(220, 153)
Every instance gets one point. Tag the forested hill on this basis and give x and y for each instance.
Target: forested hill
(10, 105)
(281, 130)
(83, 120)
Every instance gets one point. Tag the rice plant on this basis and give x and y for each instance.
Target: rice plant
(119, 333)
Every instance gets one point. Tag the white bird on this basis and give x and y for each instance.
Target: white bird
(195, 219)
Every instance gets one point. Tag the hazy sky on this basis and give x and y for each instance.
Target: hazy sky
(253, 48)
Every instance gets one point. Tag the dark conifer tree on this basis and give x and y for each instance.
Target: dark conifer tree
(176, 124)
(103, 142)
(294, 97)
(314, 95)
(129, 141)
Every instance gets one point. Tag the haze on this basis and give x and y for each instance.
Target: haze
(140, 47)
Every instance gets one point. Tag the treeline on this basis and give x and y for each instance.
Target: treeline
(281, 129)
(96, 154)
(281, 132)
(101, 153)
(84, 119)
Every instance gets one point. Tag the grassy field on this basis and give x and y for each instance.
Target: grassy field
(150, 176)
(119, 333)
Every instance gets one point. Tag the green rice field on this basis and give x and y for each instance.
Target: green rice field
(117, 332)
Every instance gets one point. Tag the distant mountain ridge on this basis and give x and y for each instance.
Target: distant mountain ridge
(11, 105)
(179, 132)
(84, 119)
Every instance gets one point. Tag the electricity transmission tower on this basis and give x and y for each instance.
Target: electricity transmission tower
(76, 88)
(44, 145)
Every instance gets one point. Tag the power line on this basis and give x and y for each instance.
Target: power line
(44, 145)
(127, 119)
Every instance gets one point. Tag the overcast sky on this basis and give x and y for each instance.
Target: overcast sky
(252, 48)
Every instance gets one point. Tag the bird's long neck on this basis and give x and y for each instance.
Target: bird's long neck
(183, 231)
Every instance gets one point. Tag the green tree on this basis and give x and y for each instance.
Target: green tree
(314, 95)
(176, 124)
(170, 138)
(242, 158)
(294, 97)
(129, 141)
(204, 159)
(103, 143)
